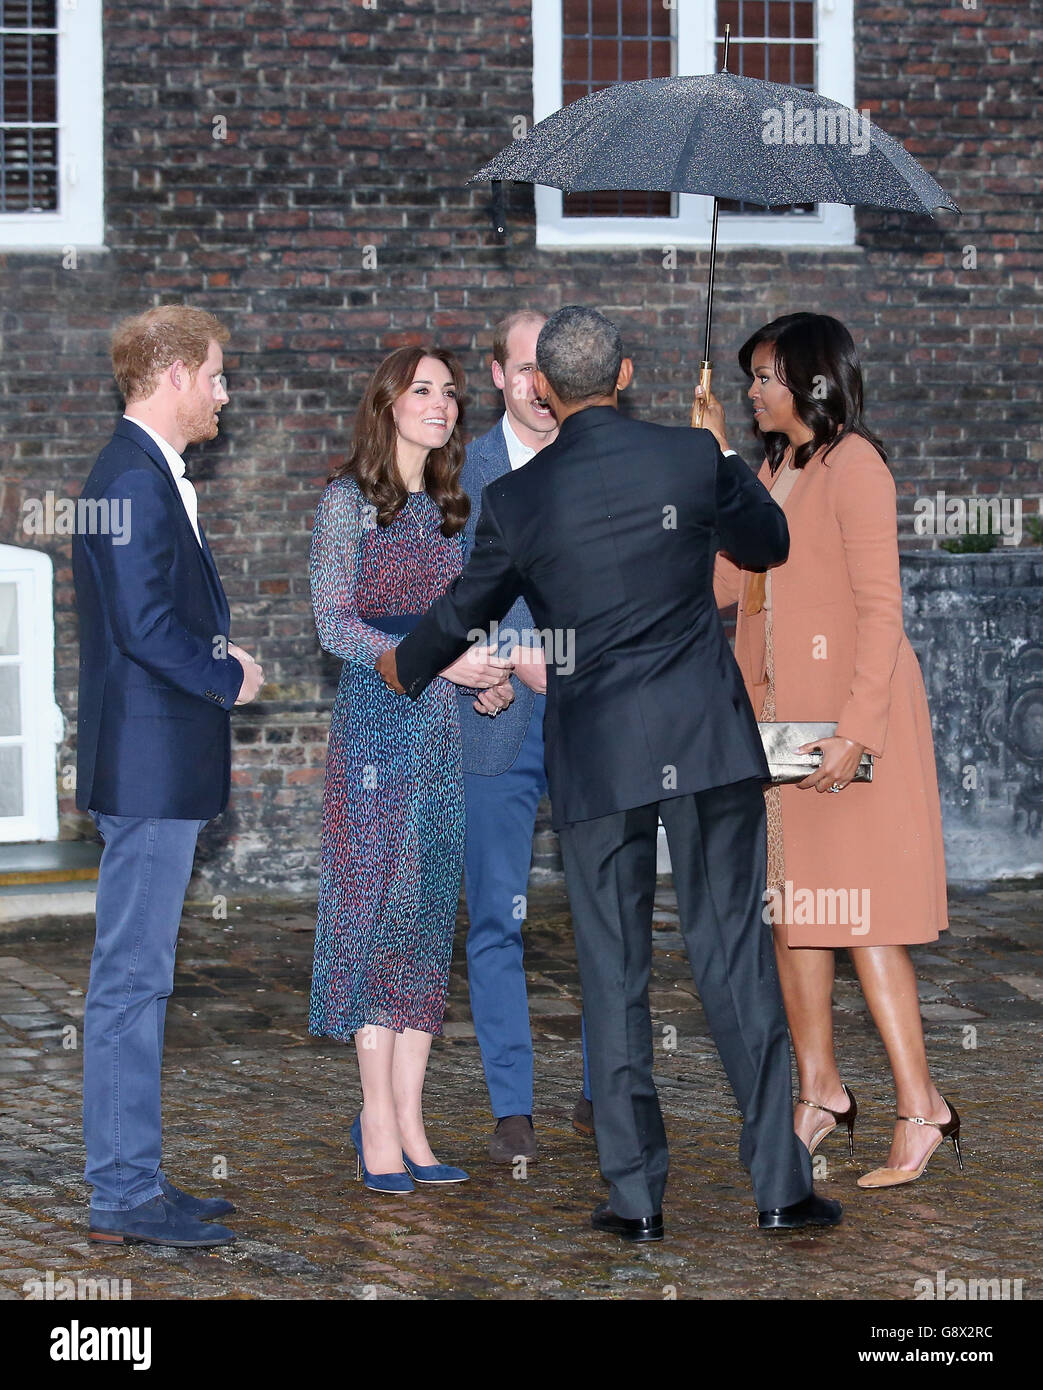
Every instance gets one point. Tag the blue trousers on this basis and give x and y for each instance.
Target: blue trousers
(144, 872)
(501, 817)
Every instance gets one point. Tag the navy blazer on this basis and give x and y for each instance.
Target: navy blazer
(156, 683)
(610, 534)
(491, 746)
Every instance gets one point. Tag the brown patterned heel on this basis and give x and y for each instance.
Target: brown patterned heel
(894, 1177)
(839, 1117)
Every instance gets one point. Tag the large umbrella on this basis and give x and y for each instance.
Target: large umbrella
(722, 135)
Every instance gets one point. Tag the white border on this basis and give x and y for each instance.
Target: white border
(832, 225)
(32, 571)
(80, 221)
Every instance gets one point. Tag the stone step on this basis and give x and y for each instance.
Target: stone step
(57, 862)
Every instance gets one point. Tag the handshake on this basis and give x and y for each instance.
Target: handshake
(481, 669)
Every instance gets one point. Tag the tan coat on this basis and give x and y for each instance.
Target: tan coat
(841, 654)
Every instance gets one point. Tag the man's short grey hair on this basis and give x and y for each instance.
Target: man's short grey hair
(579, 351)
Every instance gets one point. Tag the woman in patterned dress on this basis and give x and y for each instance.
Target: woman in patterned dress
(386, 543)
(821, 638)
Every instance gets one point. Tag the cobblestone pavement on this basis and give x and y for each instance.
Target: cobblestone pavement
(246, 1087)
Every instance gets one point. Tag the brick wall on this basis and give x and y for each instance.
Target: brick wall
(348, 128)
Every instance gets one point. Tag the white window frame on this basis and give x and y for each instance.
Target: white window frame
(832, 224)
(80, 219)
(32, 573)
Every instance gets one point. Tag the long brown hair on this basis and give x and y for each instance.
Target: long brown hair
(372, 459)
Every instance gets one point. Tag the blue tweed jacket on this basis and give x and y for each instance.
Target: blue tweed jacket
(490, 746)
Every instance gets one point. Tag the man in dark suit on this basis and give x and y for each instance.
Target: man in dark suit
(610, 535)
(504, 776)
(158, 678)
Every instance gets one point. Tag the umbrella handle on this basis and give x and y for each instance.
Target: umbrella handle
(698, 406)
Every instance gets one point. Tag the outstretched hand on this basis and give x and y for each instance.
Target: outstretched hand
(478, 668)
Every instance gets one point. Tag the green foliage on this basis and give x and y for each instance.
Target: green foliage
(976, 544)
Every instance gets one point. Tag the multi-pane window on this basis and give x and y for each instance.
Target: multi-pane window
(773, 40)
(28, 106)
(609, 41)
(50, 123)
(582, 46)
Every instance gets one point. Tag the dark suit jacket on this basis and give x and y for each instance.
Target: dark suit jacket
(153, 731)
(610, 534)
(490, 746)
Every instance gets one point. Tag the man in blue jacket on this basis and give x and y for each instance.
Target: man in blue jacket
(504, 777)
(158, 678)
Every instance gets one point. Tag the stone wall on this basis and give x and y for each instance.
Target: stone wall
(976, 622)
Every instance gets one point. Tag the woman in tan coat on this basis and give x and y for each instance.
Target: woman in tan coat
(820, 638)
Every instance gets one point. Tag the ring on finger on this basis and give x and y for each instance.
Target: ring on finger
(836, 787)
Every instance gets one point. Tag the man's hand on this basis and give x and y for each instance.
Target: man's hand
(496, 698)
(530, 666)
(387, 669)
(713, 418)
(479, 668)
(253, 675)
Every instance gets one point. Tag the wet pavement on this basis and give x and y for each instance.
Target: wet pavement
(257, 1109)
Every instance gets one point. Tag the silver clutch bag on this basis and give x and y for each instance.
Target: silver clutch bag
(786, 765)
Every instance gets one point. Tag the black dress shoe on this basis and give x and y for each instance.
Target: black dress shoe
(583, 1118)
(637, 1228)
(812, 1211)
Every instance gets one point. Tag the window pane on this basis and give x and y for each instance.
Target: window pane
(28, 65)
(8, 619)
(26, 14)
(28, 108)
(28, 170)
(11, 797)
(10, 702)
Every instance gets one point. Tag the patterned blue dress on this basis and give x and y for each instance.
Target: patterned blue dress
(393, 810)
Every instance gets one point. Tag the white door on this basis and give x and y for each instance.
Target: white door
(30, 721)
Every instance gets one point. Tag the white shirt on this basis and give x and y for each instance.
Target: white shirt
(518, 453)
(176, 464)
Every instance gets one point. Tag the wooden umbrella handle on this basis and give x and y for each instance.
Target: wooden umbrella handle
(698, 406)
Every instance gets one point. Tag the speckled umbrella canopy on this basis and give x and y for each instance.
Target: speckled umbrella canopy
(706, 135)
(725, 136)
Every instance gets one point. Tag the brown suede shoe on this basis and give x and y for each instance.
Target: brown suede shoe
(514, 1137)
(583, 1117)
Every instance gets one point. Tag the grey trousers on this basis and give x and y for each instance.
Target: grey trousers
(717, 849)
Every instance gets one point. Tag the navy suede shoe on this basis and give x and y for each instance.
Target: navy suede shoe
(201, 1208)
(155, 1222)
